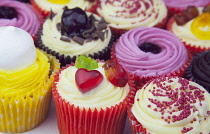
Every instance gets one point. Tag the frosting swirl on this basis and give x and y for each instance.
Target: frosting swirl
(104, 95)
(173, 105)
(173, 53)
(128, 14)
(200, 69)
(51, 38)
(183, 4)
(26, 20)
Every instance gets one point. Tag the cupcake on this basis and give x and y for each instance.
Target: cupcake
(177, 6)
(46, 6)
(191, 27)
(170, 105)
(21, 15)
(124, 15)
(146, 53)
(199, 69)
(74, 32)
(26, 77)
(90, 97)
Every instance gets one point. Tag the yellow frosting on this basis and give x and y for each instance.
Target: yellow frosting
(59, 1)
(150, 116)
(28, 80)
(105, 95)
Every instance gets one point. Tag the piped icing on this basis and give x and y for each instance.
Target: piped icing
(26, 19)
(186, 32)
(171, 54)
(102, 96)
(172, 105)
(183, 4)
(72, 46)
(16, 53)
(23, 69)
(49, 5)
(128, 14)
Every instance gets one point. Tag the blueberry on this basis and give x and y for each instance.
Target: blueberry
(7, 12)
(149, 47)
(74, 22)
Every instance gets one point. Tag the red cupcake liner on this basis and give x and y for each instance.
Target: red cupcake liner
(75, 120)
(43, 12)
(139, 81)
(191, 47)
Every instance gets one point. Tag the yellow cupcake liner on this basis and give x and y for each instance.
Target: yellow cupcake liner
(24, 112)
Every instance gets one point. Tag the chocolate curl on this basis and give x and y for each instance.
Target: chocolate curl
(190, 13)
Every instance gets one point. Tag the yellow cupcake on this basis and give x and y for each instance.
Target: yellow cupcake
(26, 76)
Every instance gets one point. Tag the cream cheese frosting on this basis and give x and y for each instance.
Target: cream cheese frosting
(185, 34)
(173, 105)
(103, 96)
(16, 53)
(48, 6)
(172, 57)
(128, 14)
(51, 38)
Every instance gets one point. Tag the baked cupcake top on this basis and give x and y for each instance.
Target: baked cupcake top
(173, 105)
(148, 52)
(128, 14)
(183, 4)
(18, 14)
(193, 30)
(57, 5)
(93, 85)
(199, 70)
(22, 67)
(90, 34)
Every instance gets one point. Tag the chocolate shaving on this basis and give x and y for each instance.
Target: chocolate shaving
(206, 9)
(102, 20)
(94, 36)
(190, 13)
(100, 35)
(101, 26)
(58, 26)
(65, 7)
(52, 14)
(64, 38)
(78, 40)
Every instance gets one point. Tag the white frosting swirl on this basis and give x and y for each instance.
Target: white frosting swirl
(51, 38)
(173, 106)
(103, 96)
(128, 14)
(48, 6)
(185, 34)
(17, 50)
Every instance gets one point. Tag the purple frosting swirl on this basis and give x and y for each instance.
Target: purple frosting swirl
(27, 19)
(172, 57)
(183, 4)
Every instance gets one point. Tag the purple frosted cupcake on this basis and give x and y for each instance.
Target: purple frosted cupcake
(21, 15)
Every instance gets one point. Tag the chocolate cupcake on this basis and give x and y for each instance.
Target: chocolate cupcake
(74, 32)
(199, 70)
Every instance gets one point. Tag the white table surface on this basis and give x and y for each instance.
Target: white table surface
(49, 126)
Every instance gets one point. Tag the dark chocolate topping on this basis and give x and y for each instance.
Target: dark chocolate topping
(201, 69)
(149, 47)
(75, 23)
(8, 12)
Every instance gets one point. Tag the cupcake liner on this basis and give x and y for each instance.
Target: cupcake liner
(76, 120)
(191, 47)
(43, 12)
(22, 113)
(64, 60)
(139, 80)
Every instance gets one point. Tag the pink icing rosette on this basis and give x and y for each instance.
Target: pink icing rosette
(172, 58)
(27, 19)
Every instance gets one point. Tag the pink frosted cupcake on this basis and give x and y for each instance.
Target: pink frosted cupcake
(170, 105)
(90, 97)
(191, 27)
(147, 53)
(21, 15)
(124, 15)
(177, 6)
